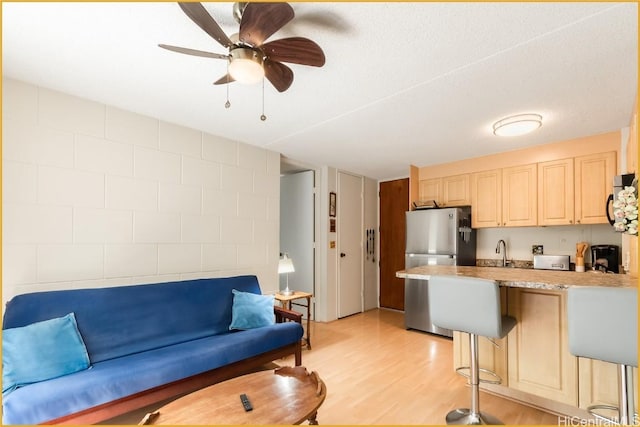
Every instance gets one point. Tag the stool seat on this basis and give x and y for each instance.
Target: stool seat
(603, 325)
(469, 305)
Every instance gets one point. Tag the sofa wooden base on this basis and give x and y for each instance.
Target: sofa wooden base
(148, 397)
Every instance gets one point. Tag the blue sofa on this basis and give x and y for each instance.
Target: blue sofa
(145, 343)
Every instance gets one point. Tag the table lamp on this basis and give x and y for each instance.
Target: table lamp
(285, 265)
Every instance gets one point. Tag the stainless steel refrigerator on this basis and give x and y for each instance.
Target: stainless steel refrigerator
(434, 237)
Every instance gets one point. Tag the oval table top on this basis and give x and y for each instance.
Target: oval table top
(284, 396)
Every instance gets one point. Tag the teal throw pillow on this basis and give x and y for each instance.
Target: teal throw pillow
(41, 351)
(251, 311)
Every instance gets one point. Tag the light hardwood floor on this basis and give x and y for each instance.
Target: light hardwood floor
(378, 373)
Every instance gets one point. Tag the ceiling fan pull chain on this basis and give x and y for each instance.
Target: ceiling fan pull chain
(227, 104)
(263, 117)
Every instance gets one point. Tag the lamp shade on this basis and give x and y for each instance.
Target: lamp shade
(285, 265)
(246, 66)
(519, 124)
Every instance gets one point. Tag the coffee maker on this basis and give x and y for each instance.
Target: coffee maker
(605, 258)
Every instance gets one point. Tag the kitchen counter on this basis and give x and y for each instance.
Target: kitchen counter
(524, 278)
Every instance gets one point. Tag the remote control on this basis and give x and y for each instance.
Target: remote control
(245, 402)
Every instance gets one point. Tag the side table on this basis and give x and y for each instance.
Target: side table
(287, 301)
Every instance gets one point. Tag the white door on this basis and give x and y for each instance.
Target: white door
(349, 218)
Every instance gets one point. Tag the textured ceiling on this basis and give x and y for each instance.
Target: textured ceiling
(404, 83)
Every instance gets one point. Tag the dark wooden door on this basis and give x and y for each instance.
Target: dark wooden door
(394, 202)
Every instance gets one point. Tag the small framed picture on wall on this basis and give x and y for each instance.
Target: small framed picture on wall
(332, 204)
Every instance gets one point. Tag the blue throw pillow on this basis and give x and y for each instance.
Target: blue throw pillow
(41, 351)
(251, 311)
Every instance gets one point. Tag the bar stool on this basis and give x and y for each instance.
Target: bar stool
(603, 325)
(469, 305)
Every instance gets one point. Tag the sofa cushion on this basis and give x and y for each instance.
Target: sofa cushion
(118, 321)
(114, 379)
(41, 351)
(251, 311)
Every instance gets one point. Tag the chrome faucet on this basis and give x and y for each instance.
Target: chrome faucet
(504, 251)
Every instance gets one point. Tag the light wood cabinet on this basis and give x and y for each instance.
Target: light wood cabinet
(593, 184)
(492, 354)
(486, 199)
(556, 192)
(519, 196)
(430, 189)
(599, 384)
(455, 190)
(504, 197)
(446, 191)
(539, 361)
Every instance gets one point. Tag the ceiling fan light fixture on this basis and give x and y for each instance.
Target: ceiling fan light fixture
(517, 125)
(245, 65)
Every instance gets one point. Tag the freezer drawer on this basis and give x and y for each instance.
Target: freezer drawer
(416, 308)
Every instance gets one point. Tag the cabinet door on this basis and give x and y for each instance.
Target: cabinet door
(455, 190)
(430, 189)
(599, 384)
(555, 192)
(486, 199)
(593, 182)
(492, 356)
(539, 361)
(519, 196)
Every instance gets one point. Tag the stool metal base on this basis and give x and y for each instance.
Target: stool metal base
(464, 416)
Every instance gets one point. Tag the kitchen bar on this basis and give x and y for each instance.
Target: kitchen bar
(534, 360)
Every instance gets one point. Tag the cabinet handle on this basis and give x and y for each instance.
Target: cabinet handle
(570, 222)
(578, 221)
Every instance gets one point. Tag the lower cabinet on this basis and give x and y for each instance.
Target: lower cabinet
(492, 354)
(599, 384)
(534, 361)
(539, 358)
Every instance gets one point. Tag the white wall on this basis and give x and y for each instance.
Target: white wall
(97, 196)
(558, 240)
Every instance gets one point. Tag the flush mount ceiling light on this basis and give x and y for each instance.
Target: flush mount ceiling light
(519, 124)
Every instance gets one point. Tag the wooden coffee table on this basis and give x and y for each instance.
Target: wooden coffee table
(288, 395)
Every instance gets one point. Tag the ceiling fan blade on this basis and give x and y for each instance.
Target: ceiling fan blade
(224, 80)
(261, 20)
(278, 74)
(297, 50)
(194, 52)
(198, 14)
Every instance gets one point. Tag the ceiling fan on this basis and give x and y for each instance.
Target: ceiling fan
(249, 57)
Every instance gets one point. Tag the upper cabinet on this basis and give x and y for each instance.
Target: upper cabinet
(486, 199)
(431, 189)
(519, 196)
(446, 191)
(556, 192)
(504, 197)
(455, 190)
(593, 183)
(556, 186)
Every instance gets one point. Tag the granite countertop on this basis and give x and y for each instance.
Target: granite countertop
(524, 278)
